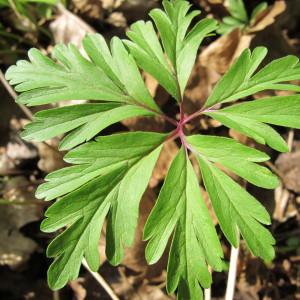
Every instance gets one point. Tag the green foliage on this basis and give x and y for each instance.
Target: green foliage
(239, 17)
(109, 174)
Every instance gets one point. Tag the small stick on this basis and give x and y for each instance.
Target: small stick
(25, 110)
(13, 94)
(290, 139)
(234, 255)
(101, 281)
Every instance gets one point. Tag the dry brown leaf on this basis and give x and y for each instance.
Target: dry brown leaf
(153, 292)
(199, 87)
(267, 17)
(211, 64)
(289, 165)
(15, 248)
(145, 124)
(90, 8)
(50, 159)
(69, 28)
(220, 54)
(117, 19)
(80, 292)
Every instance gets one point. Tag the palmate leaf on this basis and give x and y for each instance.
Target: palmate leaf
(179, 45)
(181, 210)
(122, 165)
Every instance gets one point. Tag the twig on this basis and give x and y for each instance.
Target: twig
(234, 255)
(290, 139)
(101, 281)
(13, 94)
(25, 110)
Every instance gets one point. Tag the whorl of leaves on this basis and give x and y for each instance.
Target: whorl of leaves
(109, 174)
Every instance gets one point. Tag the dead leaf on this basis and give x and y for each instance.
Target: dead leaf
(69, 28)
(80, 292)
(117, 19)
(267, 17)
(15, 248)
(220, 54)
(145, 124)
(50, 158)
(153, 292)
(289, 165)
(89, 8)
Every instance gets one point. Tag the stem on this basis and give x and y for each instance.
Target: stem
(179, 132)
(196, 114)
(234, 255)
(157, 112)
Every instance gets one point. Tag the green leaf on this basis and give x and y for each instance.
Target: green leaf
(147, 51)
(236, 157)
(258, 10)
(249, 118)
(42, 81)
(237, 211)
(83, 120)
(96, 158)
(181, 210)
(115, 193)
(260, 132)
(179, 45)
(228, 24)
(280, 110)
(240, 82)
(237, 10)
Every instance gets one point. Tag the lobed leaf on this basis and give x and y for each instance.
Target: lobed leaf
(236, 157)
(237, 211)
(239, 81)
(179, 45)
(249, 118)
(42, 81)
(180, 211)
(114, 192)
(96, 158)
(83, 121)
(237, 10)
